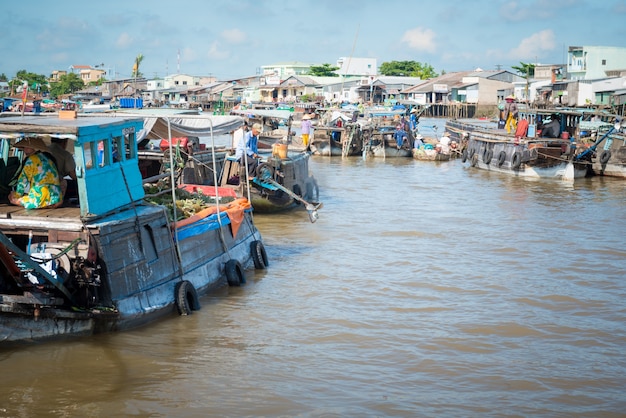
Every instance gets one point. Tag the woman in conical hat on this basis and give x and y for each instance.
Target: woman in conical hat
(38, 185)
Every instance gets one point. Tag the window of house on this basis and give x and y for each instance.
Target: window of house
(603, 62)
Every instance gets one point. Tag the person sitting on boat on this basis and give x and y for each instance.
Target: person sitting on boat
(552, 129)
(400, 135)
(510, 114)
(38, 184)
(248, 147)
(445, 143)
(419, 141)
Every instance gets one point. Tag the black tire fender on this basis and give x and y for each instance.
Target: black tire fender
(259, 256)
(501, 158)
(474, 160)
(605, 156)
(471, 153)
(235, 276)
(487, 156)
(186, 298)
(265, 171)
(516, 160)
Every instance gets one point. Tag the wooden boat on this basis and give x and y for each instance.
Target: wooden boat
(526, 153)
(287, 182)
(337, 134)
(431, 154)
(110, 260)
(380, 142)
(608, 152)
(282, 181)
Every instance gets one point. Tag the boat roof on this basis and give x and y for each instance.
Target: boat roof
(46, 125)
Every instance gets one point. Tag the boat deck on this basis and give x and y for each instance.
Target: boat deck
(55, 224)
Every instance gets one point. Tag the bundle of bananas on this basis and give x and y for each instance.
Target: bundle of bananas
(187, 204)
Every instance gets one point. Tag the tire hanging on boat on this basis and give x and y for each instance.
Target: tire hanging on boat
(259, 256)
(487, 156)
(186, 298)
(235, 276)
(516, 160)
(474, 160)
(471, 153)
(605, 156)
(501, 158)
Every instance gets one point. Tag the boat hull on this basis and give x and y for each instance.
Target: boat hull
(140, 276)
(548, 159)
(430, 155)
(611, 161)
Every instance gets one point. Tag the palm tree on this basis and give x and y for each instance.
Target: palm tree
(138, 60)
(527, 70)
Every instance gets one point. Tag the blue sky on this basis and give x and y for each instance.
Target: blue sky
(230, 39)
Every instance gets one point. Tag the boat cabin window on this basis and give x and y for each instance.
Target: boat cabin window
(129, 149)
(119, 148)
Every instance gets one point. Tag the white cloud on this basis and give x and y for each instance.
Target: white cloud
(234, 36)
(124, 40)
(420, 39)
(215, 52)
(534, 46)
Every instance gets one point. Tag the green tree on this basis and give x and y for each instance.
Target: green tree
(37, 83)
(408, 69)
(525, 69)
(67, 83)
(324, 70)
(3, 77)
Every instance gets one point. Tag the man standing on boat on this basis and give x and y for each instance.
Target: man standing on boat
(510, 114)
(305, 129)
(248, 147)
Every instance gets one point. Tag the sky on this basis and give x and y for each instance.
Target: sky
(233, 39)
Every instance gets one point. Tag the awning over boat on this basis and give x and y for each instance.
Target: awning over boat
(156, 127)
(264, 113)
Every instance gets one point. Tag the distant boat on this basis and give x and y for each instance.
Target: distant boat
(109, 260)
(525, 153)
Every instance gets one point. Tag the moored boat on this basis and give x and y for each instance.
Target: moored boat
(111, 260)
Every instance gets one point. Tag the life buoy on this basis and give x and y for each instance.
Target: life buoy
(186, 298)
(516, 160)
(235, 275)
(487, 156)
(259, 256)
(474, 160)
(501, 158)
(464, 155)
(605, 156)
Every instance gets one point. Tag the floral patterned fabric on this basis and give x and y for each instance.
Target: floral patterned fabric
(38, 185)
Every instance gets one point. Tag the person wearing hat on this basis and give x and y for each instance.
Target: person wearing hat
(38, 184)
(248, 147)
(510, 114)
(419, 141)
(305, 129)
